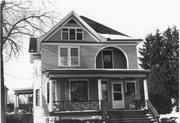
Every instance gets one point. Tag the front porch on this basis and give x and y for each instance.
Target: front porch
(78, 94)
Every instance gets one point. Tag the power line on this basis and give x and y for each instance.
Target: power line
(17, 77)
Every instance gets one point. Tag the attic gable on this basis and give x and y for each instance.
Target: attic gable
(71, 23)
(71, 28)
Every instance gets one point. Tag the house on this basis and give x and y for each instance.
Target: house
(86, 71)
(28, 105)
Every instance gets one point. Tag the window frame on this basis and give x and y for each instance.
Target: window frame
(68, 56)
(87, 81)
(131, 81)
(76, 32)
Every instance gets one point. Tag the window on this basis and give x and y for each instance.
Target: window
(104, 87)
(78, 90)
(48, 92)
(69, 56)
(131, 87)
(72, 34)
(37, 97)
(107, 59)
(65, 34)
(64, 56)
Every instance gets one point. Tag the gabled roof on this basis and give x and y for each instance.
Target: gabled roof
(71, 14)
(100, 28)
(100, 32)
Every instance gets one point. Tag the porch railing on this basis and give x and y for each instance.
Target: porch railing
(152, 110)
(76, 105)
(104, 113)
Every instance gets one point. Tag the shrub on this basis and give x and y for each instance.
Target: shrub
(170, 120)
(161, 103)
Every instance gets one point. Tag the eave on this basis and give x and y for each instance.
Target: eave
(98, 73)
(23, 91)
(119, 41)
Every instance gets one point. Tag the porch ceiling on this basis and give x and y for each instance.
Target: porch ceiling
(105, 73)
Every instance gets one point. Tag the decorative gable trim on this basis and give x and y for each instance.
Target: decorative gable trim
(73, 15)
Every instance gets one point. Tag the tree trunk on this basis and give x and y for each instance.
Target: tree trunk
(2, 92)
(2, 109)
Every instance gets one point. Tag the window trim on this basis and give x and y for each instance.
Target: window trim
(131, 81)
(76, 32)
(69, 56)
(69, 90)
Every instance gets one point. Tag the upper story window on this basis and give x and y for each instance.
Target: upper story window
(72, 34)
(69, 56)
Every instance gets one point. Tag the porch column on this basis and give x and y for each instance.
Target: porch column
(16, 104)
(51, 96)
(99, 93)
(146, 95)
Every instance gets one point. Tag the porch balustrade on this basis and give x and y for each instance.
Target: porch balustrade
(76, 105)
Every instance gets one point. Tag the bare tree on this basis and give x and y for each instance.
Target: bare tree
(20, 19)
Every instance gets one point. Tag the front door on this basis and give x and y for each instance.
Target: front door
(117, 95)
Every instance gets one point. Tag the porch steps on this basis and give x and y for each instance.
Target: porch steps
(130, 116)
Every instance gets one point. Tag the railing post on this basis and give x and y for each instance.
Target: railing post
(146, 95)
(99, 93)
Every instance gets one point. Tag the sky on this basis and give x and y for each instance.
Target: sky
(136, 18)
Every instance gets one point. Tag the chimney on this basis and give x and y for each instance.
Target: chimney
(33, 45)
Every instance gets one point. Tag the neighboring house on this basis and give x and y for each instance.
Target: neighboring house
(84, 70)
(28, 105)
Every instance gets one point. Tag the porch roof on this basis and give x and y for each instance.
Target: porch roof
(105, 73)
(21, 91)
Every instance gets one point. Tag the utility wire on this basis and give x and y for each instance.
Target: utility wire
(17, 77)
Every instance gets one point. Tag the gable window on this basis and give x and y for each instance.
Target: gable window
(131, 87)
(65, 34)
(72, 34)
(78, 90)
(69, 56)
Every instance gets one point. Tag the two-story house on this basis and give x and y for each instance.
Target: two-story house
(84, 70)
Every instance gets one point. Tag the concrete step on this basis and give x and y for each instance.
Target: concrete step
(130, 116)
